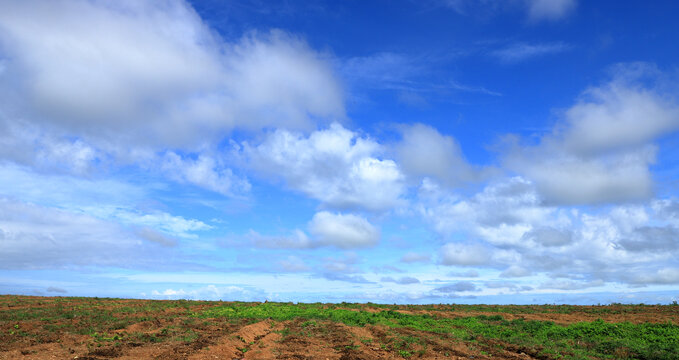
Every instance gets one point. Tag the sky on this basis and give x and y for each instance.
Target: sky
(435, 151)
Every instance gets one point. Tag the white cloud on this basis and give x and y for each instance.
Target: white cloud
(602, 151)
(550, 9)
(154, 74)
(343, 230)
(564, 178)
(108, 200)
(334, 165)
(500, 214)
(618, 115)
(424, 152)
(24, 143)
(212, 292)
(548, 236)
(515, 271)
(36, 237)
(89, 85)
(668, 275)
(652, 238)
(172, 225)
(204, 171)
(465, 255)
(508, 227)
(571, 285)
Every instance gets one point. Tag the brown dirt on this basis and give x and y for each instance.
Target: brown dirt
(651, 315)
(81, 328)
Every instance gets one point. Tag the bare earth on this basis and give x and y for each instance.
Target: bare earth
(82, 328)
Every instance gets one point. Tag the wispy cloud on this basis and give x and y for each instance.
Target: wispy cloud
(550, 10)
(535, 10)
(519, 52)
(414, 77)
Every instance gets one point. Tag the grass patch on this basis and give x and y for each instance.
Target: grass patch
(576, 341)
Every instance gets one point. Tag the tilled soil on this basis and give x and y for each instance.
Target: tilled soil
(90, 328)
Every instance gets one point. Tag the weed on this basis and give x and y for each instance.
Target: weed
(405, 353)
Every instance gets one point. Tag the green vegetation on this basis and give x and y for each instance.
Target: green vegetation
(576, 341)
(111, 326)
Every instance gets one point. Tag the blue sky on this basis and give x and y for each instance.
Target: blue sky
(520, 151)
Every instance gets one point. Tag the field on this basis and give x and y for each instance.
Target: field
(94, 328)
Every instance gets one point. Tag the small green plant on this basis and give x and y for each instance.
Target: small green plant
(366, 340)
(405, 354)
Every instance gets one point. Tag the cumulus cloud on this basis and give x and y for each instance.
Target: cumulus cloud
(652, 238)
(160, 64)
(424, 152)
(27, 144)
(515, 271)
(567, 179)
(509, 228)
(343, 230)
(618, 115)
(499, 214)
(667, 275)
(571, 285)
(203, 171)
(602, 150)
(89, 84)
(333, 165)
(465, 255)
(548, 236)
